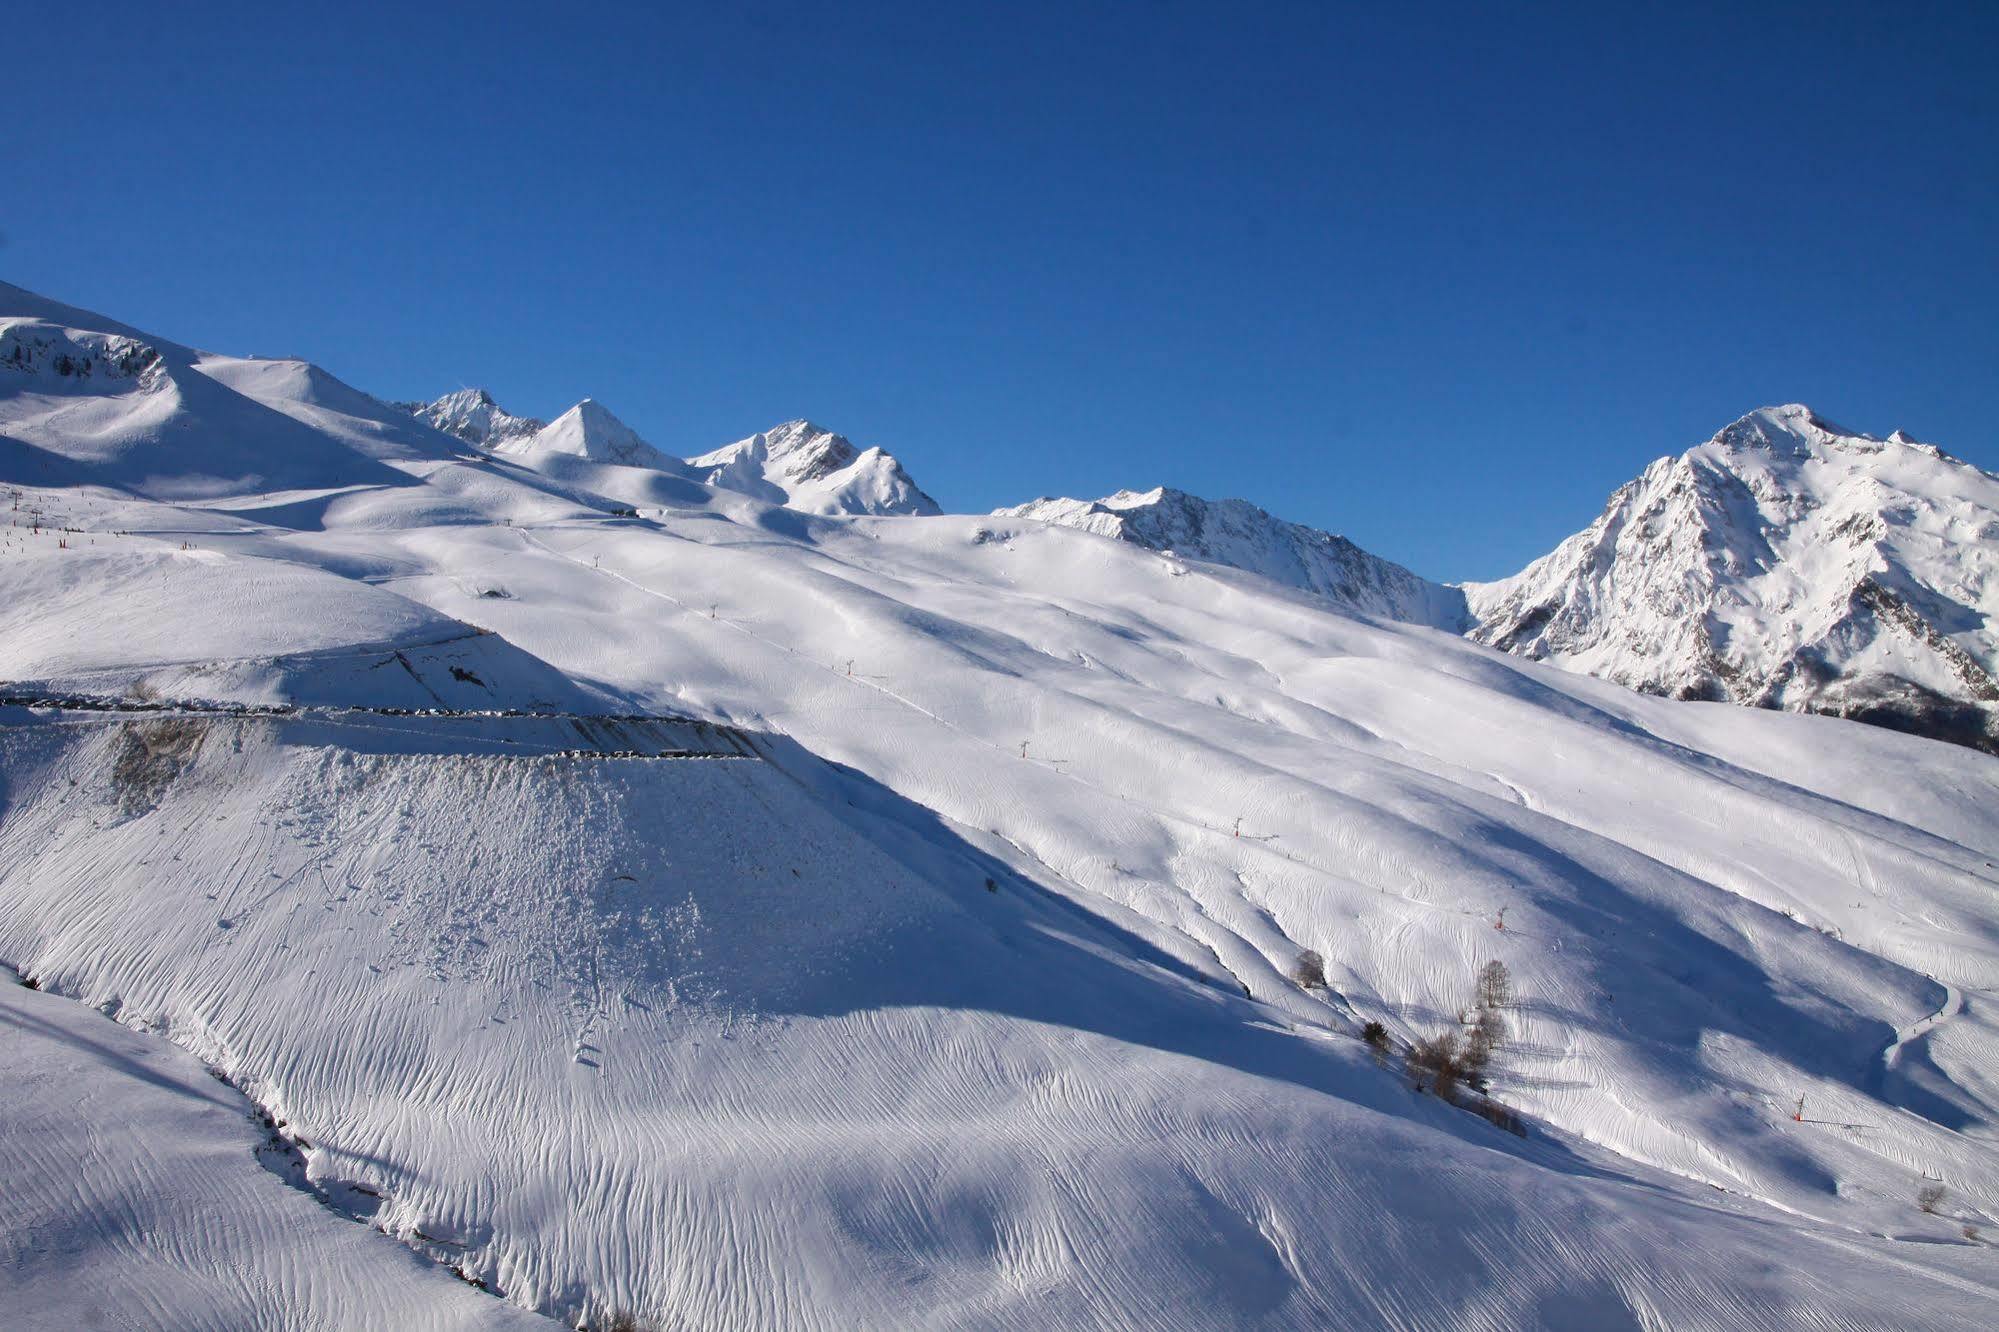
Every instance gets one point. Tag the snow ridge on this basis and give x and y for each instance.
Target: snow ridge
(1238, 534)
(1785, 563)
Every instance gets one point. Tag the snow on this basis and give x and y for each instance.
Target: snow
(952, 989)
(1785, 563)
(135, 1197)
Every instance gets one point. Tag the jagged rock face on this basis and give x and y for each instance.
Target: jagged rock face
(52, 354)
(808, 467)
(1238, 534)
(1786, 563)
(471, 415)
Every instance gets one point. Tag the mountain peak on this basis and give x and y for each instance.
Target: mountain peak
(590, 431)
(1788, 563)
(805, 466)
(471, 414)
(1789, 427)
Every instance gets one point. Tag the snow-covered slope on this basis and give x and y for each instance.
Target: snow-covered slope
(471, 414)
(140, 1192)
(1786, 563)
(957, 987)
(1238, 534)
(91, 401)
(806, 467)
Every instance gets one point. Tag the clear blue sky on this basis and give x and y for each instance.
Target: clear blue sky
(1439, 281)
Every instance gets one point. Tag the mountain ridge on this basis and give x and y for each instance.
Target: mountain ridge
(797, 464)
(1241, 535)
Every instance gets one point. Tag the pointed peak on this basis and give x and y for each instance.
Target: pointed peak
(590, 430)
(801, 432)
(593, 412)
(472, 415)
(802, 464)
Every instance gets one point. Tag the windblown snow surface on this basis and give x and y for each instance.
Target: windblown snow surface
(641, 898)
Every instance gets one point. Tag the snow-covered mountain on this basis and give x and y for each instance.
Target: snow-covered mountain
(1238, 534)
(807, 467)
(798, 464)
(471, 414)
(648, 904)
(1785, 563)
(589, 431)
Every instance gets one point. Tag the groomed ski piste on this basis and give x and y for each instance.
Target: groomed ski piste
(650, 904)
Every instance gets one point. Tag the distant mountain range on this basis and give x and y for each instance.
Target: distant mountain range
(797, 464)
(1785, 563)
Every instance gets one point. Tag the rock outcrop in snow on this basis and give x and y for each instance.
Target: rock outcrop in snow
(1785, 563)
(1238, 534)
(807, 467)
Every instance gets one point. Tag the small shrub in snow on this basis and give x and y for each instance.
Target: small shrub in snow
(1437, 1063)
(150, 756)
(1376, 1037)
(1495, 985)
(1488, 1032)
(1930, 1196)
(1309, 971)
(1495, 1113)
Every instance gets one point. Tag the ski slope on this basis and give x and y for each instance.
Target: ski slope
(954, 987)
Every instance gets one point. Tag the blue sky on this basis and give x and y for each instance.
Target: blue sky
(1437, 280)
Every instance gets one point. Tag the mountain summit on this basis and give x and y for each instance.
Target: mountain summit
(1785, 563)
(471, 414)
(806, 466)
(589, 431)
(1238, 534)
